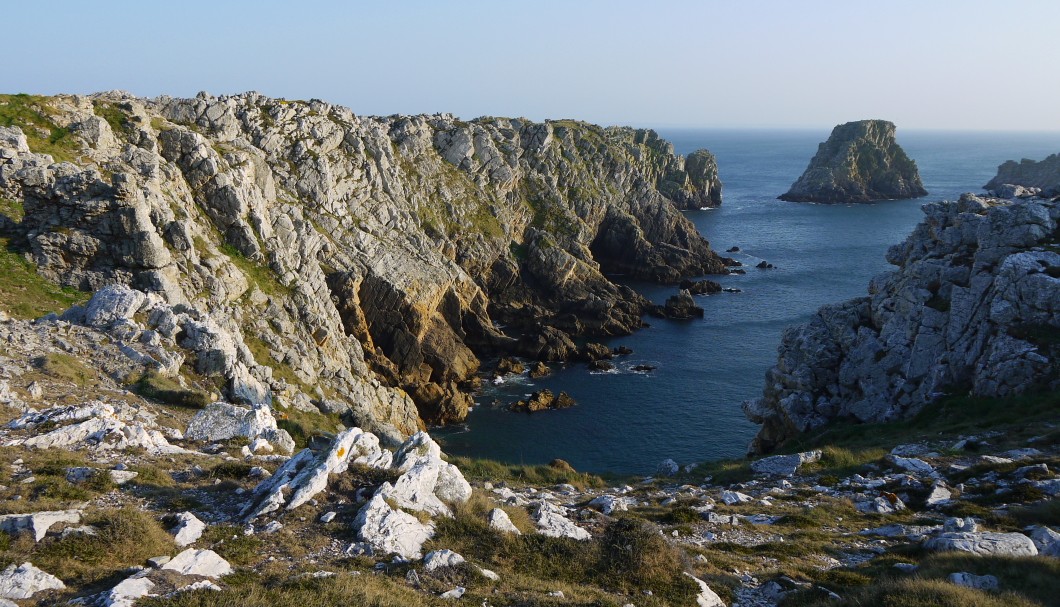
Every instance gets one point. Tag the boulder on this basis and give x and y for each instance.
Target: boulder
(206, 563)
(188, 529)
(940, 494)
(390, 531)
(128, 591)
(499, 520)
(970, 580)
(551, 520)
(112, 303)
(609, 504)
(222, 421)
(706, 596)
(23, 581)
(784, 465)
(438, 559)
(983, 543)
(38, 523)
(1046, 540)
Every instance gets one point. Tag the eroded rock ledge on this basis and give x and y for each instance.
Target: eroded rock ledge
(860, 162)
(370, 258)
(974, 307)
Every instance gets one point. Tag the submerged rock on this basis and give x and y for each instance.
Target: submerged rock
(860, 162)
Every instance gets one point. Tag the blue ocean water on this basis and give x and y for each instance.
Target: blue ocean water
(688, 409)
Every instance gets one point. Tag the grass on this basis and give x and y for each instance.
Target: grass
(524, 475)
(67, 368)
(12, 209)
(258, 274)
(125, 538)
(115, 117)
(302, 425)
(284, 589)
(263, 355)
(26, 294)
(33, 115)
(157, 387)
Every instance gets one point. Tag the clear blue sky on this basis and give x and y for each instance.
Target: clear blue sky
(950, 64)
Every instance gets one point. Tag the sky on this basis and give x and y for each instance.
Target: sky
(925, 64)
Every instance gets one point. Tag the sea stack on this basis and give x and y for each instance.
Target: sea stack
(860, 162)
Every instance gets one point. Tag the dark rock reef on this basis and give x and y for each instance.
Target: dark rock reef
(860, 162)
(1027, 178)
(974, 307)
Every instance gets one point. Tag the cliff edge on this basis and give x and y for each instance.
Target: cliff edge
(974, 307)
(352, 259)
(860, 162)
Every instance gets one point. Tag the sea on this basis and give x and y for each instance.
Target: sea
(688, 408)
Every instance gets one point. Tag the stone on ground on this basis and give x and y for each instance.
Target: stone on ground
(23, 581)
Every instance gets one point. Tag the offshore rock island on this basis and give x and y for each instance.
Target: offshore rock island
(370, 258)
(860, 162)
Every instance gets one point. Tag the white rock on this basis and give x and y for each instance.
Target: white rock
(984, 543)
(970, 580)
(912, 464)
(390, 531)
(498, 519)
(1046, 540)
(188, 529)
(128, 590)
(489, 575)
(120, 477)
(272, 527)
(112, 303)
(940, 494)
(327, 517)
(609, 504)
(735, 497)
(222, 421)
(206, 563)
(667, 467)
(455, 593)
(785, 465)
(954, 524)
(200, 585)
(436, 559)
(25, 580)
(38, 523)
(706, 596)
(427, 481)
(551, 521)
(260, 444)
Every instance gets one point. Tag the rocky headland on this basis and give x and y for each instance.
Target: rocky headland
(348, 258)
(973, 308)
(1027, 178)
(860, 162)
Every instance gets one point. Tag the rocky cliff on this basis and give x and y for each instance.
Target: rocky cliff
(1027, 178)
(346, 258)
(860, 162)
(974, 307)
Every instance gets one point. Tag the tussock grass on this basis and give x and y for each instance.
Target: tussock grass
(524, 475)
(125, 538)
(154, 386)
(65, 367)
(33, 114)
(274, 591)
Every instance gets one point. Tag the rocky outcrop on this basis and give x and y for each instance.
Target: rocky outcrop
(974, 307)
(860, 162)
(357, 259)
(1027, 178)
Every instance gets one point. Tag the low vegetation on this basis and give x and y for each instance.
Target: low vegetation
(34, 115)
(26, 294)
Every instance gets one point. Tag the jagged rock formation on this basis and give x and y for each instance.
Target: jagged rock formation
(359, 259)
(860, 162)
(974, 306)
(1026, 178)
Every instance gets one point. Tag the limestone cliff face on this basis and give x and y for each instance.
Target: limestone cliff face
(860, 162)
(1031, 177)
(974, 307)
(364, 259)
